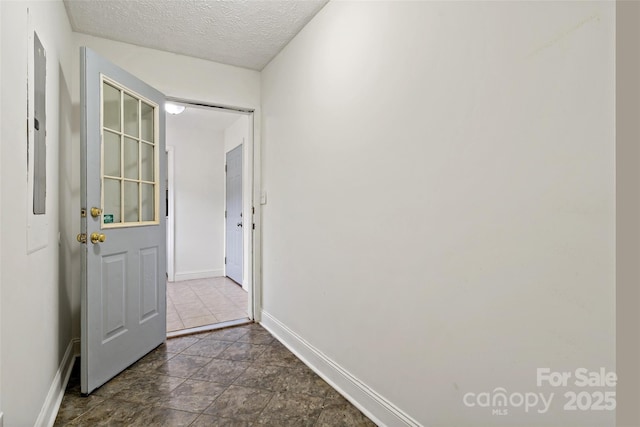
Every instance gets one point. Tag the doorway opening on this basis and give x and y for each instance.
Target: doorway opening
(209, 217)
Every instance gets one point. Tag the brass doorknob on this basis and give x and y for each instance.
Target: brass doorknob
(95, 212)
(98, 238)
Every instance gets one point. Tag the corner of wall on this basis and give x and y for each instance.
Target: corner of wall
(627, 212)
(376, 407)
(54, 397)
(44, 287)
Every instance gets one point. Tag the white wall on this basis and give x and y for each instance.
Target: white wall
(174, 75)
(35, 305)
(1, 179)
(199, 194)
(441, 209)
(235, 135)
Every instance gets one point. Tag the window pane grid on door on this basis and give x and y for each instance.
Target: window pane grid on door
(129, 158)
(111, 107)
(130, 113)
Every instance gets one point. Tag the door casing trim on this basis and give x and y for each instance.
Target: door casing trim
(251, 162)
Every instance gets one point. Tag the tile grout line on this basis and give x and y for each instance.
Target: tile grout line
(225, 389)
(245, 333)
(205, 305)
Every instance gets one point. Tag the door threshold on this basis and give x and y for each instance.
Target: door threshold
(209, 328)
(234, 281)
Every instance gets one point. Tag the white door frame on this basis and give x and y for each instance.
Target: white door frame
(251, 226)
(171, 272)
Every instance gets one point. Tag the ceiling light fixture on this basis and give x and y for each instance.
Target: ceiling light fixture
(173, 108)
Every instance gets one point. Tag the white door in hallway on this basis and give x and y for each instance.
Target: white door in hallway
(123, 225)
(234, 218)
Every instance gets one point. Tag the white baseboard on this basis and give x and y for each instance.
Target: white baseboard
(49, 410)
(192, 275)
(76, 347)
(377, 408)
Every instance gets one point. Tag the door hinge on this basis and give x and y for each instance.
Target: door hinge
(225, 260)
(253, 210)
(225, 214)
(254, 226)
(225, 168)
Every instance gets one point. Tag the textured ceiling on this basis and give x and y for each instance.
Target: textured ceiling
(245, 33)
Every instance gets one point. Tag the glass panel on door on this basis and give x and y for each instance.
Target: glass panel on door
(129, 158)
(110, 107)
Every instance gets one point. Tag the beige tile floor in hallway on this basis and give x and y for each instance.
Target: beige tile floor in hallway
(201, 302)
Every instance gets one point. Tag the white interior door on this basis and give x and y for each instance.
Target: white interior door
(124, 255)
(234, 219)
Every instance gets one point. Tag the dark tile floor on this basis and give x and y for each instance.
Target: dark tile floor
(239, 377)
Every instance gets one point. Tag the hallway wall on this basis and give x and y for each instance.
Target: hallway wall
(441, 202)
(35, 304)
(199, 194)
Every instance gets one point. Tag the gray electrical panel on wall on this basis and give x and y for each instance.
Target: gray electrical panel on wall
(39, 128)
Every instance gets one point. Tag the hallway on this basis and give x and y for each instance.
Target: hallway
(238, 377)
